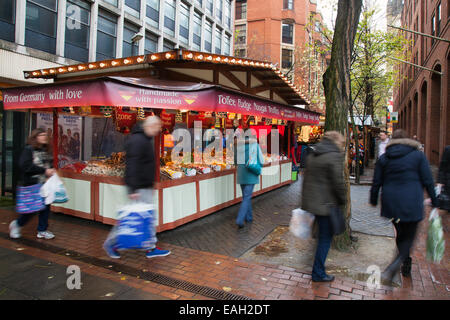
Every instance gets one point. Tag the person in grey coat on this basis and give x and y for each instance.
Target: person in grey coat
(324, 188)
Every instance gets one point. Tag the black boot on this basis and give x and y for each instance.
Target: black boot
(406, 267)
(388, 275)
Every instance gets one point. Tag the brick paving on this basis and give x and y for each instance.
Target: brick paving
(224, 272)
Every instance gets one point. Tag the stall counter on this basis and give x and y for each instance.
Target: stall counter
(177, 201)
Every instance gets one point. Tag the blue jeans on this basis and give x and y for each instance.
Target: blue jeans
(323, 246)
(43, 218)
(245, 211)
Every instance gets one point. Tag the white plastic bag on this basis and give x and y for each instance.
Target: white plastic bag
(435, 238)
(301, 224)
(54, 191)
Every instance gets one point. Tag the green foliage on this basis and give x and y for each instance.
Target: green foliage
(373, 73)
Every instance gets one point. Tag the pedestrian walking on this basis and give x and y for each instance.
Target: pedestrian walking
(324, 189)
(381, 144)
(444, 180)
(36, 166)
(402, 173)
(249, 160)
(140, 177)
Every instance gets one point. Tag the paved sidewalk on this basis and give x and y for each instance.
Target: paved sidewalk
(81, 241)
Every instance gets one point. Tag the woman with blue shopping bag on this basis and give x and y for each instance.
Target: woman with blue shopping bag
(36, 164)
(249, 160)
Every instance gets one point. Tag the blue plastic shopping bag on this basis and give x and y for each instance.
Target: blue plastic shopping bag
(29, 199)
(134, 229)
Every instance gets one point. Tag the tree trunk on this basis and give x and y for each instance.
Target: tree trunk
(336, 82)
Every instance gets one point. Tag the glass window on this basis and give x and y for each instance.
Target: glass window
(152, 13)
(241, 10)
(151, 43)
(209, 7)
(167, 46)
(7, 19)
(241, 34)
(133, 7)
(169, 17)
(219, 10)
(129, 47)
(197, 32)
(184, 23)
(227, 49)
(106, 36)
(288, 33)
(218, 41)
(113, 2)
(438, 19)
(240, 53)
(288, 4)
(227, 14)
(286, 58)
(199, 3)
(78, 16)
(40, 25)
(208, 36)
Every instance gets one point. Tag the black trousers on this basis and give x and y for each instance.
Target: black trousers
(406, 233)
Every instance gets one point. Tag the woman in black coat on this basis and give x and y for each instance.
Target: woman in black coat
(36, 165)
(402, 173)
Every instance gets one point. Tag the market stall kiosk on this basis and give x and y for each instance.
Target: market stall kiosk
(88, 105)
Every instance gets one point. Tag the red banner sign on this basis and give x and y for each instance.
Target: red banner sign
(105, 92)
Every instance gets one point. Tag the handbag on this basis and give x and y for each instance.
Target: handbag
(337, 220)
(29, 199)
(253, 164)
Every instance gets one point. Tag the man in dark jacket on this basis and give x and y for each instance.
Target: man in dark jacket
(324, 188)
(402, 173)
(140, 176)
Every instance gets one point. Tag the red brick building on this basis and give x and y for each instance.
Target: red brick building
(422, 98)
(278, 31)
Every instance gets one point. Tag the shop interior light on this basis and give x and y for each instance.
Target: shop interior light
(233, 61)
(52, 70)
(44, 72)
(189, 55)
(102, 64)
(252, 63)
(246, 62)
(126, 61)
(154, 57)
(81, 67)
(61, 70)
(35, 73)
(209, 58)
(218, 59)
(199, 57)
(226, 60)
(184, 111)
(140, 59)
(239, 61)
(114, 63)
(92, 66)
(70, 68)
(168, 55)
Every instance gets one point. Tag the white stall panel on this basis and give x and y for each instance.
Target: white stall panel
(270, 176)
(79, 193)
(239, 191)
(112, 197)
(179, 202)
(286, 172)
(216, 191)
